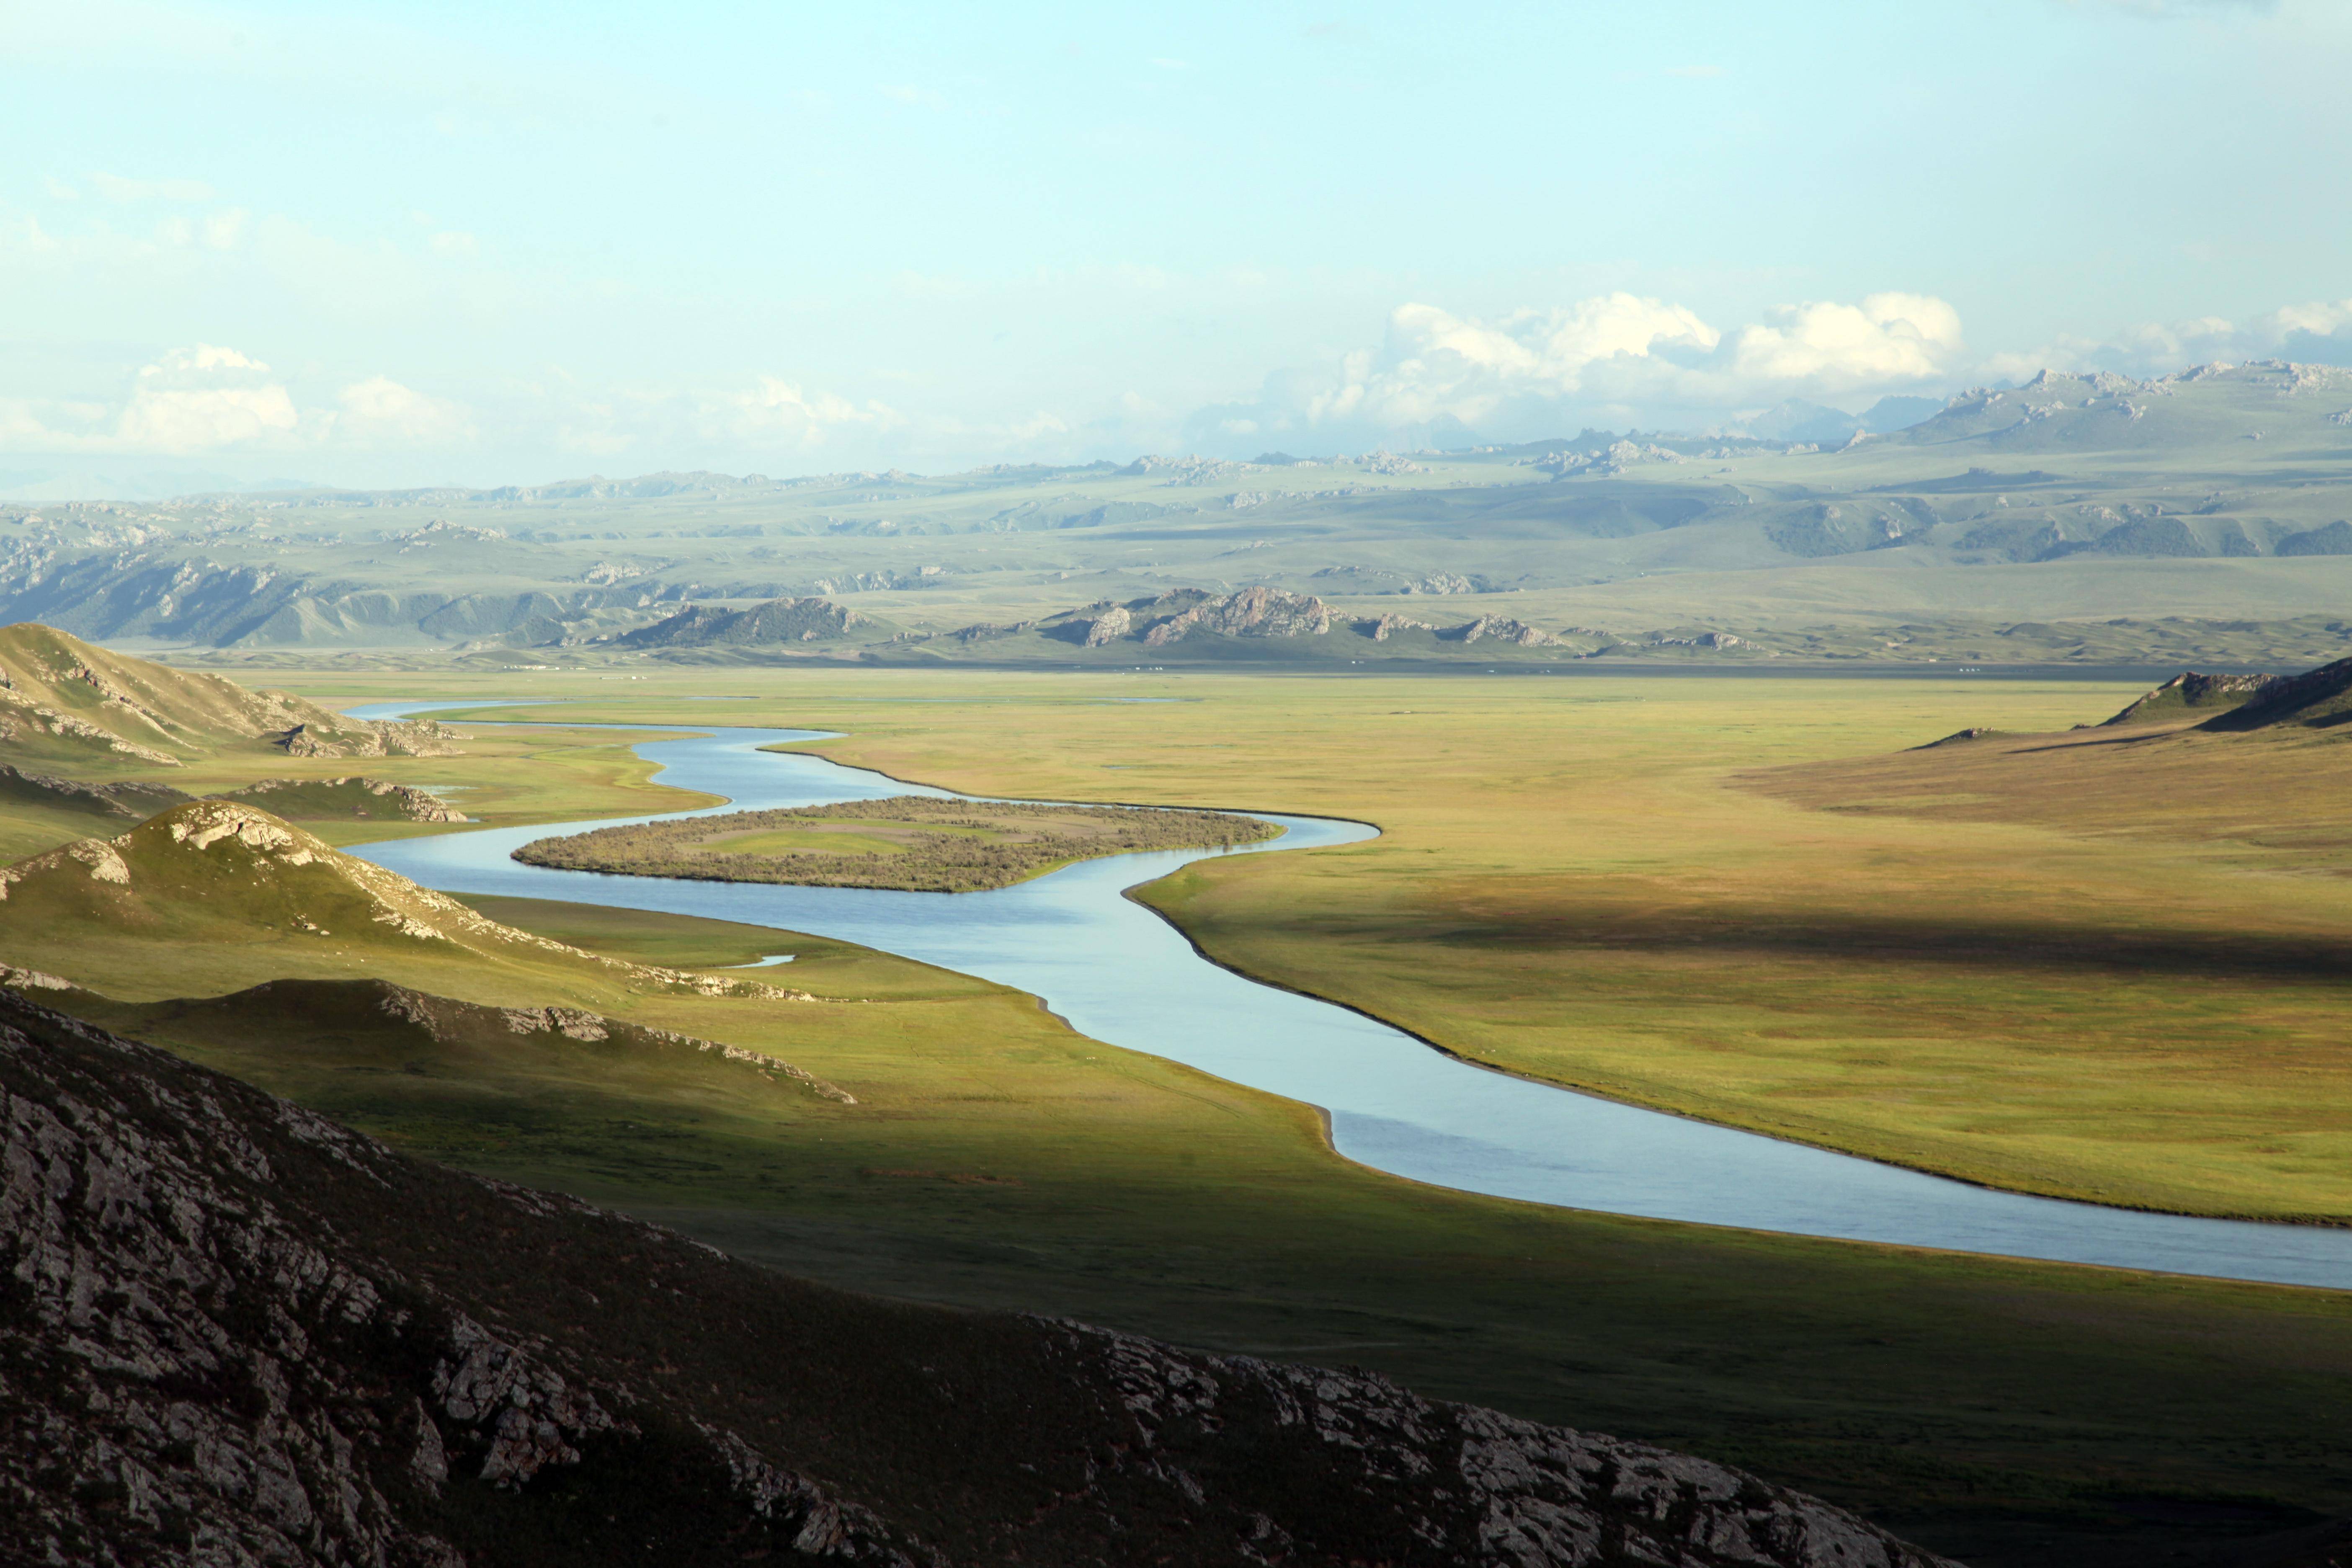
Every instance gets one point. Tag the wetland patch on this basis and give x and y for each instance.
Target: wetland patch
(907, 843)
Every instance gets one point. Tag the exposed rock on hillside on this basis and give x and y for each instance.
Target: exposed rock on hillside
(777, 621)
(1380, 628)
(220, 871)
(65, 698)
(1502, 628)
(131, 799)
(370, 738)
(1251, 613)
(240, 1334)
(321, 799)
(2189, 692)
(2317, 699)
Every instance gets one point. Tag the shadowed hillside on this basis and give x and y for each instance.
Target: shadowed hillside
(340, 1354)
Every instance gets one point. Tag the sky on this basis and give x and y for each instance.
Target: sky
(395, 243)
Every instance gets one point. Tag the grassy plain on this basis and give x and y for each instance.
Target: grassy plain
(2008, 1412)
(2094, 985)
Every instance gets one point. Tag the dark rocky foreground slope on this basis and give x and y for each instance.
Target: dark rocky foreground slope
(237, 1333)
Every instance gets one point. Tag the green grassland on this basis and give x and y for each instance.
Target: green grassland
(1582, 879)
(2018, 1413)
(1576, 879)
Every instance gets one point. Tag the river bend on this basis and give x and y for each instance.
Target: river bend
(1121, 974)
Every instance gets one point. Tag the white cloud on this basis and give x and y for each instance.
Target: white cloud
(202, 356)
(452, 242)
(225, 228)
(1887, 340)
(116, 188)
(1614, 357)
(775, 407)
(201, 398)
(380, 412)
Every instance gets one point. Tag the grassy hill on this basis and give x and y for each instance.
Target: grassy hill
(217, 895)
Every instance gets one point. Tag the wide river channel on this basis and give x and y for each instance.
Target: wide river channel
(1120, 973)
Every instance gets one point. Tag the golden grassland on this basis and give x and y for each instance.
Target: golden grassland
(1579, 878)
(2113, 972)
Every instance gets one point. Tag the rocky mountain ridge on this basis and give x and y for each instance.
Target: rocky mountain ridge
(240, 1334)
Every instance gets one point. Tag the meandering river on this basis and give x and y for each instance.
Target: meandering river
(1120, 973)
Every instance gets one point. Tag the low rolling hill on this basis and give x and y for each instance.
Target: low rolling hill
(216, 895)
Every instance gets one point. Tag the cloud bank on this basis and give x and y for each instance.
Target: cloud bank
(1610, 358)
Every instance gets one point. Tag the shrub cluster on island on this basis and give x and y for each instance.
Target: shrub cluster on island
(907, 843)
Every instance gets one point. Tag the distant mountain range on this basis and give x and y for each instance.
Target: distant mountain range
(2095, 500)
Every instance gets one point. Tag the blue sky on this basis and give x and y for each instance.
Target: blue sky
(490, 243)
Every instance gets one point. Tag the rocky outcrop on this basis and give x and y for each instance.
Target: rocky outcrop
(799, 620)
(1502, 628)
(299, 800)
(202, 1369)
(1107, 627)
(1253, 613)
(371, 738)
(2317, 699)
(2190, 691)
(240, 1334)
(1382, 627)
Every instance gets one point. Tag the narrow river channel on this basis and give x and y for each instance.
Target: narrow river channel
(1121, 974)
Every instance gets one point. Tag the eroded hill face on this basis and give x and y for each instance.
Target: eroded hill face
(239, 1333)
(67, 702)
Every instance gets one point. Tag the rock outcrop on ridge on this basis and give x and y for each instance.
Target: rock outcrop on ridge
(240, 1334)
(71, 702)
(777, 621)
(2317, 699)
(2191, 691)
